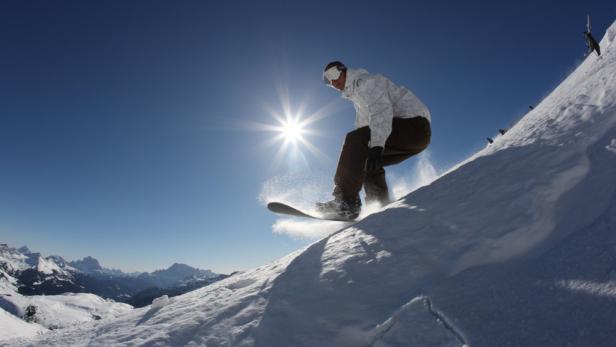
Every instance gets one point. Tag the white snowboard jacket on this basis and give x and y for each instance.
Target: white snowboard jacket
(377, 101)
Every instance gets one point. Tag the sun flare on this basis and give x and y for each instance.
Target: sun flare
(292, 130)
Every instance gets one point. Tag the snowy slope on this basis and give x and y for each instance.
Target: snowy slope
(8, 283)
(515, 247)
(12, 327)
(46, 312)
(61, 311)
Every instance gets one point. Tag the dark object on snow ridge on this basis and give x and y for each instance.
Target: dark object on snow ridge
(592, 44)
(490, 140)
(502, 131)
(30, 313)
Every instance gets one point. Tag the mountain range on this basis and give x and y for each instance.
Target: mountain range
(39, 293)
(35, 274)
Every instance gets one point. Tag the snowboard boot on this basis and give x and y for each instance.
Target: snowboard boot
(340, 209)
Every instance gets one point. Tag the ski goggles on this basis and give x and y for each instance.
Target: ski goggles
(331, 74)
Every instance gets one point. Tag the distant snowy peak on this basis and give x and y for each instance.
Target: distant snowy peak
(177, 274)
(87, 265)
(46, 265)
(92, 266)
(183, 270)
(12, 260)
(24, 250)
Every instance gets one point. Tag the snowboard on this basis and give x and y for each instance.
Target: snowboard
(281, 208)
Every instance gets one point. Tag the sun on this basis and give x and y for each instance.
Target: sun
(294, 135)
(293, 132)
(292, 129)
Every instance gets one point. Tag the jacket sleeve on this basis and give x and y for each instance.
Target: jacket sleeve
(375, 97)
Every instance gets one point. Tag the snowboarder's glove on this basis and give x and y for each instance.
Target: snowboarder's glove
(375, 159)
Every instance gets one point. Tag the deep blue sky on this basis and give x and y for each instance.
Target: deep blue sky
(119, 133)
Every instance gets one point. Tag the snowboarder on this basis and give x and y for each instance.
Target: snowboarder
(391, 123)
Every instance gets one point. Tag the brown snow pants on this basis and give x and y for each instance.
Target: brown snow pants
(409, 136)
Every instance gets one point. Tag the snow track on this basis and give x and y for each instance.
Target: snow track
(418, 323)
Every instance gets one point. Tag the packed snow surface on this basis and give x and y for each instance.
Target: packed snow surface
(12, 327)
(514, 247)
(65, 310)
